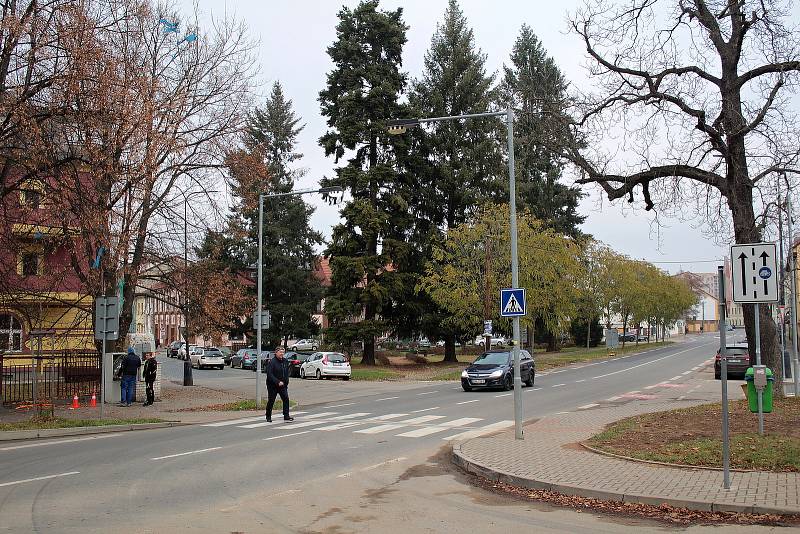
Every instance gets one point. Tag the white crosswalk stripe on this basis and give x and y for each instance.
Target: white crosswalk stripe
(480, 431)
(388, 416)
(400, 424)
(252, 425)
(236, 421)
(440, 427)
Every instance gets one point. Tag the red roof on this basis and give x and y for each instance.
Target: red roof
(322, 271)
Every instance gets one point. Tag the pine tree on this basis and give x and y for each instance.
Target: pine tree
(291, 292)
(361, 95)
(463, 167)
(535, 87)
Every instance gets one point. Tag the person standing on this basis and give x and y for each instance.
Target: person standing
(278, 384)
(149, 372)
(130, 366)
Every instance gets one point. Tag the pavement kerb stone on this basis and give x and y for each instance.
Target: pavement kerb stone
(665, 464)
(15, 435)
(471, 466)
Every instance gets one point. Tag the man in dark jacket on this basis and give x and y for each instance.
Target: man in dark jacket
(149, 374)
(130, 366)
(278, 384)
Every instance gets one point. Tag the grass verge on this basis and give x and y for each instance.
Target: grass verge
(238, 406)
(692, 436)
(572, 355)
(374, 374)
(41, 423)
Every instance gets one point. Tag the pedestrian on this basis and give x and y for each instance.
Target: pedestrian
(128, 370)
(150, 366)
(278, 384)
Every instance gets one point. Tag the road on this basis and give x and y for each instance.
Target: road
(371, 464)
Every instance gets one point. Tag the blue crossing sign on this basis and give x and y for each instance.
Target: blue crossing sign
(512, 302)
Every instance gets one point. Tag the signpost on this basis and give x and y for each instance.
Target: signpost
(512, 304)
(755, 281)
(261, 321)
(723, 359)
(106, 328)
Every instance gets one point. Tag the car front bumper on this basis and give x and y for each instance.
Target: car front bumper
(474, 382)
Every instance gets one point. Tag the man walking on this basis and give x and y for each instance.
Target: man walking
(149, 373)
(278, 384)
(130, 366)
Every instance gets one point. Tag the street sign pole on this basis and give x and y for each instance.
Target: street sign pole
(512, 193)
(723, 358)
(260, 275)
(793, 308)
(759, 391)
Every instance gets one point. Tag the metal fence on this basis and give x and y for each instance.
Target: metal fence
(51, 378)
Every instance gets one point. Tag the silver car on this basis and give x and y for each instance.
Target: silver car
(304, 344)
(207, 357)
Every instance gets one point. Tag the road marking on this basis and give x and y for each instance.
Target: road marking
(648, 363)
(480, 431)
(348, 416)
(681, 397)
(579, 381)
(534, 389)
(340, 405)
(426, 409)
(264, 423)
(560, 413)
(587, 406)
(287, 435)
(560, 371)
(557, 385)
(612, 399)
(392, 461)
(29, 445)
(302, 425)
(427, 393)
(653, 386)
(686, 373)
(674, 378)
(441, 427)
(634, 392)
(340, 426)
(46, 477)
(321, 414)
(185, 453)
(387, 398)
(388, 416)
(467, 402)
(236, 421)
(400, 424)
(503, 395)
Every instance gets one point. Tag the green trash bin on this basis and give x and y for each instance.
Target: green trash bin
(752, 394)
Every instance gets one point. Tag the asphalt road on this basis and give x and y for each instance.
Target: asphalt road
(356, 466)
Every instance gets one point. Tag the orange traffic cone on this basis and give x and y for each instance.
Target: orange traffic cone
(75, 403)
(93, 402)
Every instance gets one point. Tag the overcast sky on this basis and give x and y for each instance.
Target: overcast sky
(293, 40)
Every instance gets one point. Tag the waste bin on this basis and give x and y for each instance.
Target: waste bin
(752, 394)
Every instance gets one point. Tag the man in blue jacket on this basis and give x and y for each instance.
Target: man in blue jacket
(128, 371)
(278, 384)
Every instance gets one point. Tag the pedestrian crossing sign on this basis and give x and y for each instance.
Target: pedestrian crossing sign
(512, 302)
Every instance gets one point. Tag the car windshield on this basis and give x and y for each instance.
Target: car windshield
(495, 358)
(336, 358)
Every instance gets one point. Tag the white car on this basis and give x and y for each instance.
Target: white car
(304, 344)
(206, 357)
(326, 364)
(496, 341)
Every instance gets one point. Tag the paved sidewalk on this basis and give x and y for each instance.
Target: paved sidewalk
(551, 457)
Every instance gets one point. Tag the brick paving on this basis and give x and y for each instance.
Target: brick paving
(550, 457)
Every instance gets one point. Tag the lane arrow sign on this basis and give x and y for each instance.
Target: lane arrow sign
(742, 258)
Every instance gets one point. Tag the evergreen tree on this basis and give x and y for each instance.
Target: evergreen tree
(291, 291)
(535, 87)
(463, 166)
(361, 95)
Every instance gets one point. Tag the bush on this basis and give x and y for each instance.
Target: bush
(578, 330)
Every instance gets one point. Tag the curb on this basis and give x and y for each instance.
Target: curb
(476, 468)
(663, 464)
(13, 435)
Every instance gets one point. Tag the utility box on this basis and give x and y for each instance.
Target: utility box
(759, 377)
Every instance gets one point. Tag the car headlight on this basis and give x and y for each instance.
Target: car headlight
(464, 374)
(497, 374)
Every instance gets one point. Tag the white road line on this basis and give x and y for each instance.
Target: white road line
(380, 428)
(534, 389)
(392, 461)
(587, 406)
(340, 426)
(185, 453)
(674, 378)
(634, 392)
(253, 425)
(387, 398)
(29, 445)
(579, 381)
(503, 395)
(348, 416)
(302, 424)
(480, 431)
(275, 423)
(236, 421)
(418, 433)
(652, 387)
(427, 393)
(648, 363)
(340, 405)
(426, 410)
(557, 385)
(47, 477)
(612, 399)
(287, 435)
(467, 402)
(388, 416)
(686, 373)
(559, 371)
(321, 414)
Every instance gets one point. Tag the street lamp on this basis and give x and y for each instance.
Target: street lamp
(401, 126)
(188, 379)
(259, 323)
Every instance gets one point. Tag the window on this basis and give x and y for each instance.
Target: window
(10, 333)
(30, 195)
(29, 264)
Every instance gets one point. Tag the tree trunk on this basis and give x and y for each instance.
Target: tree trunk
(588, 332)
(450, 348)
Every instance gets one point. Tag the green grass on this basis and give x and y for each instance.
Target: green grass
(571, 355)
(373, 374)
(39, 423)
(449, 375)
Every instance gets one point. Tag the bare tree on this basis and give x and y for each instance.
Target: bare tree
(693, 106)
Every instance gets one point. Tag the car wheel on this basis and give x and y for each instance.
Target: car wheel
(302, 374)
(319, 375)
(529, 382)
(508, 383)
(314, 347)
(466, 388)
(346, 377)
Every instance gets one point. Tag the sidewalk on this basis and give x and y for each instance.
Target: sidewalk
(551, 458)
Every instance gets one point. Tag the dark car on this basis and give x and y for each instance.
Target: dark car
(738, 357)
(172, 350)
(296, 359)
(227, 354)
(627, 336)
(495, 369)
(244, 359)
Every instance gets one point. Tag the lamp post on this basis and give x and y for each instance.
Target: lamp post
(401, 126)
(188, 379)
(259, 323)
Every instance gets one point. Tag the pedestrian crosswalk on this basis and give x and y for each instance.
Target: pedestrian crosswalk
(405, 425)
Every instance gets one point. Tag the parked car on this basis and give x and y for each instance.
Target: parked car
(305, 344)
(295, 361)
(423, 343)
(202, 357)
(244, 359)
(738, 357)
(495, 341)
(495, 369)
(174, 347)
(266, 356)
(627, 337)
(642, 337)
(440, 343)
(227, 354)
(326, 364)
(182, 351)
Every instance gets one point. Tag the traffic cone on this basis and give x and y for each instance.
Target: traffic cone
(75, 403)
(93, 402)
